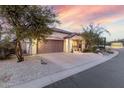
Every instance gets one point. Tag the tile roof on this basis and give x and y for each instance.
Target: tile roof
(61, 31)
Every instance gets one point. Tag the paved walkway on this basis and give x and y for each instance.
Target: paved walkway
(107, 75)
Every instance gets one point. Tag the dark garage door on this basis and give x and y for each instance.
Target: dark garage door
(50, 46)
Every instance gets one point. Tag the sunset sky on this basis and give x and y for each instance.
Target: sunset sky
(72, 18)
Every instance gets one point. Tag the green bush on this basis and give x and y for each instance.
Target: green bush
(93, 49)
(86, 50)
(4, 53)
(5, 49)
(109, 51)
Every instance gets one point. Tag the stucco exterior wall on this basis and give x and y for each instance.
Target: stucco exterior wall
(117, 45)
(68, 45)
(34, 47)
(83, 44)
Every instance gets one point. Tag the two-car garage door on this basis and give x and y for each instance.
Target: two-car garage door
(50, 46)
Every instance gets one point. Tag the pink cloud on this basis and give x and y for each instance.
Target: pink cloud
(74, 16)
(111, 16)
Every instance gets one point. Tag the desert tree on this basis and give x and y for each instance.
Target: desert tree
(93, 35)
(28, 22)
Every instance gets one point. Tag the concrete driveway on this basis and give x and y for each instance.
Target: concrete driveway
(31, 73)
(69, 60)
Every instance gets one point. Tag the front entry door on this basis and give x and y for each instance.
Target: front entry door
(77, 46)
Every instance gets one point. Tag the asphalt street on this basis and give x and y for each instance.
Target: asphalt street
(107, 75)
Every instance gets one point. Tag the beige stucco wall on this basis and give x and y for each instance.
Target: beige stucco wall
(117, 45)
(34, 47)
(70, 45)
(67, 45)
(83, 44)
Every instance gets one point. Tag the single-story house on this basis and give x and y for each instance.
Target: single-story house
(59, 41)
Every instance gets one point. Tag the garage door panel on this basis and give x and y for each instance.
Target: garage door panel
(50, 46)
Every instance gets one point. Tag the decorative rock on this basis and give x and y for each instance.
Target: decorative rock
(43, 61)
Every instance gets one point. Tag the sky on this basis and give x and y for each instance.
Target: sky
(74, 17)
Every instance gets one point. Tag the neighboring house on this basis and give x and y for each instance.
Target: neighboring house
(117, 45)
(59, 41)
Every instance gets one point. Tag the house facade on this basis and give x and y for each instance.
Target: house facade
(58, 41)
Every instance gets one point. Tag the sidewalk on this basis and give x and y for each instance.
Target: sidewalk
(32, 73)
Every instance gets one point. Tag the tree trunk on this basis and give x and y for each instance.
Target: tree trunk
(19, 51)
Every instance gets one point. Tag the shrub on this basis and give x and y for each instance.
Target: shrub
(93, 49)
(109, 51)
(6, 48)
(4, 53)
(87, 50)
